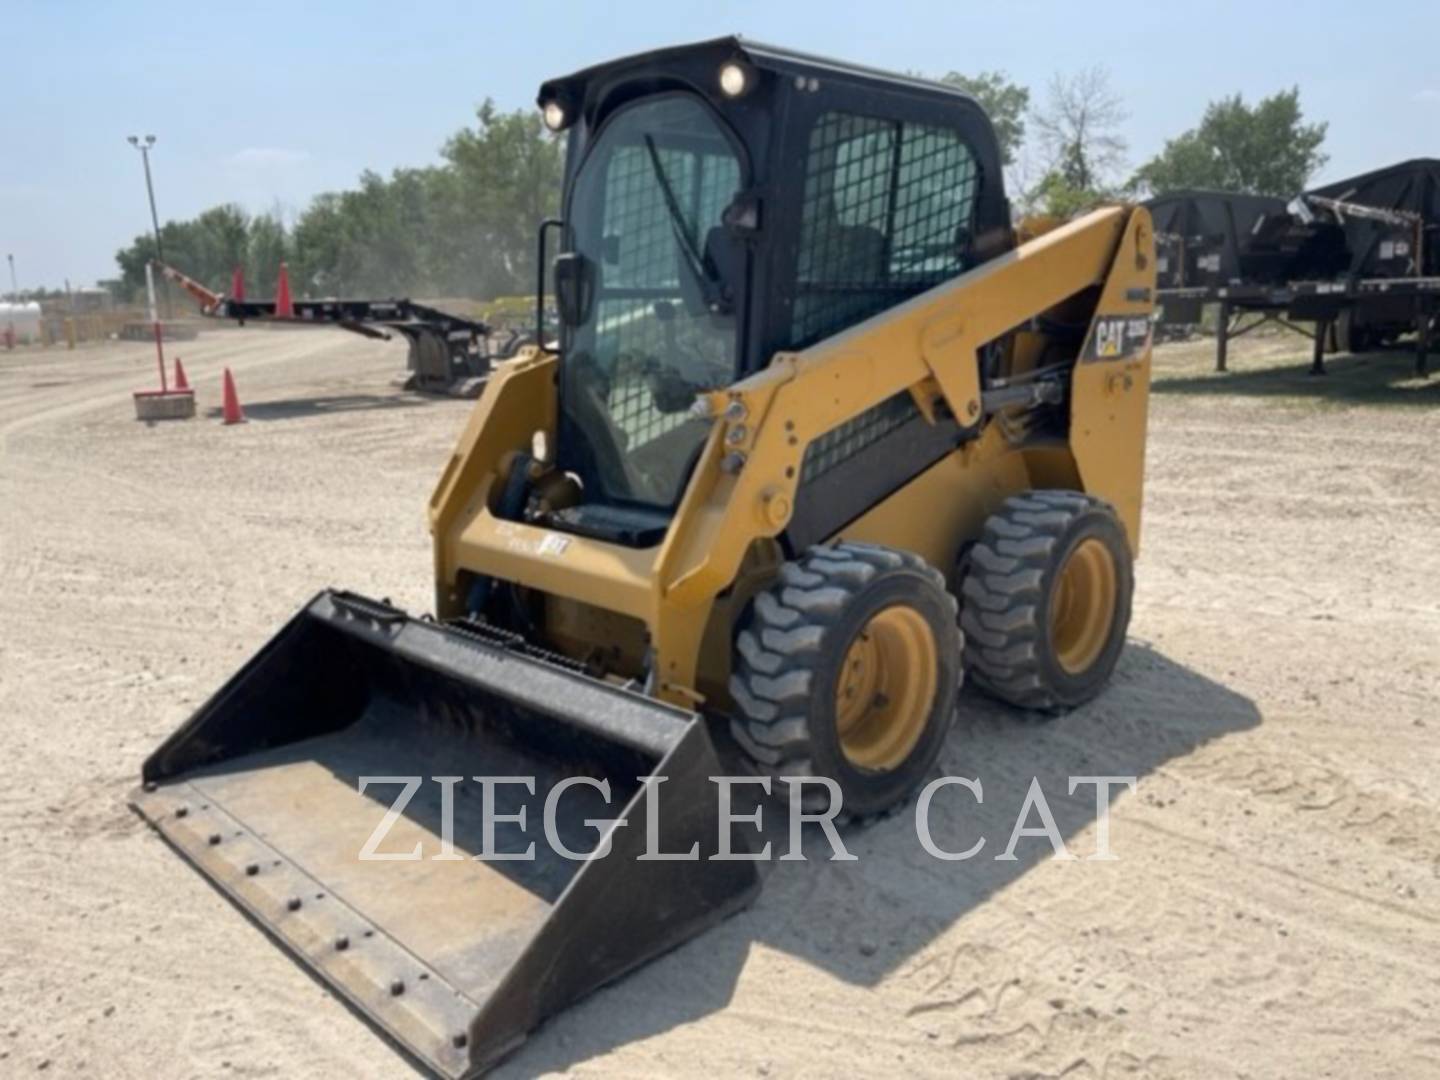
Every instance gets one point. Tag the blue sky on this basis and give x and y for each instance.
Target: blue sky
(267, 104)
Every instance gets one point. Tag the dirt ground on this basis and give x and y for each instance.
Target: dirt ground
(1275, 910)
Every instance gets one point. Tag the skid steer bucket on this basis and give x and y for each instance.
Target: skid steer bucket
(277, 784)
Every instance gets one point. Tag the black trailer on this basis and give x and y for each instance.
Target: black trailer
(1359, 260)
(1199, 239)
(448, 354)
(1413, 303)
(1391, 221)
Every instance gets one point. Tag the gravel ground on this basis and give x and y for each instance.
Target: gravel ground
(1275, 910)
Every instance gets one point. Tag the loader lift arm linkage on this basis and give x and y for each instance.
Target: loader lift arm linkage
(770, 419)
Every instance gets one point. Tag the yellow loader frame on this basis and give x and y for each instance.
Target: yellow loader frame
(743, 489)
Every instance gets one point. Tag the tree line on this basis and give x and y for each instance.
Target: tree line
(466, 226)
(1077, 159)
(463, 227)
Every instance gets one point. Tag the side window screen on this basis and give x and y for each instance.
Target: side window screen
(648, 196)
(886, 215)
(642, 250)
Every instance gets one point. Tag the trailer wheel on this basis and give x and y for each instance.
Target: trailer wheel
(1046, 600)
(1353, 336)
(848, 668)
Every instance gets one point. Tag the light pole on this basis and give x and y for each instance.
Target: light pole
(15, 297)
(144, 146)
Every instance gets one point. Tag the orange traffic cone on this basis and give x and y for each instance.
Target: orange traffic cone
(181, 383)
(237, 284)
(284, 306)
(234, 414)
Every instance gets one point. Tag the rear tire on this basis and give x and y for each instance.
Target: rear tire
(848, 667)
(1353, 337)
(1047, 597)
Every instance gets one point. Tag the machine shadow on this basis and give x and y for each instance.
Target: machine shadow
(1383, 377)
(823, 912)
(327, 404)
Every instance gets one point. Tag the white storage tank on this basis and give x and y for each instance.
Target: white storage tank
(24, 317)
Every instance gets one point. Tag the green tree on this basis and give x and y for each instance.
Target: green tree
(505, 176)
(1079, 129)
(206, 248)
(1264, 149)
(315, 246)
(266, 248)
(464, 227)
(1059, 197)
(384, 225)
(1004, 101)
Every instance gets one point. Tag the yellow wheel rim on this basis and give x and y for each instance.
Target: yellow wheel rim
(1082, 609)
(886, 689)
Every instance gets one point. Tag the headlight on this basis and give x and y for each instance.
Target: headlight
(734, 79)
(555, 116)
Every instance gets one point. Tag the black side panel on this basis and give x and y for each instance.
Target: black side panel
(1203, 236)
(1382, 250)
(849, 470)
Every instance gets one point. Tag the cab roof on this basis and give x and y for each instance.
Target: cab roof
(667, 60)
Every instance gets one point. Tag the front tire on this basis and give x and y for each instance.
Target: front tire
(1047, 597)
(848, 668)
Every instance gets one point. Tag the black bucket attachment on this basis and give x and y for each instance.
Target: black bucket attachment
(457, 957)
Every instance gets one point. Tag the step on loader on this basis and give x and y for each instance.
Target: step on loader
(819, 439)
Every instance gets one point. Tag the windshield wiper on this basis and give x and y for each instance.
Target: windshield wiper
(712, 289)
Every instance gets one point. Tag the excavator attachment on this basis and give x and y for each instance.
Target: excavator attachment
(452, 941)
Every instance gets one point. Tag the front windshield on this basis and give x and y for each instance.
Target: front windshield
(646, 214)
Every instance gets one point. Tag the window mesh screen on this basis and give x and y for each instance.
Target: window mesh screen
(853, 436)
(886, 213)
(630, 336)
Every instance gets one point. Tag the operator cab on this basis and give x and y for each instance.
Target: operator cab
(725, 201)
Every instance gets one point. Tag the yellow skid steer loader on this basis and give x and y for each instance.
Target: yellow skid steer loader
(818, 437)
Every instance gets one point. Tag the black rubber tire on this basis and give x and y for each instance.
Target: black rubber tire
(1008, 589)
(1352, 337)
(788, 659)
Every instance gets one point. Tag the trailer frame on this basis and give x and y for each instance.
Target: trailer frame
(1321, 303)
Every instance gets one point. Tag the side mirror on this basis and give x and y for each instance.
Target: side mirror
(725, 253)
(574, 287)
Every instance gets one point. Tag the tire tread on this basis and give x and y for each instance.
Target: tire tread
(1003, 593)
(777, 653)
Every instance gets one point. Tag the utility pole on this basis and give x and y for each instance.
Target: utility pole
(144, 146)
(14, 296)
